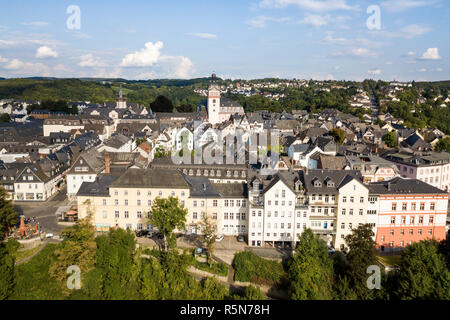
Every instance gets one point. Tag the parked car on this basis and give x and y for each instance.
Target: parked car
(49, 235)
(219, 238)
(240, 238)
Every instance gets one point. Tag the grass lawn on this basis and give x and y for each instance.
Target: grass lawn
(390, 260)
(33, 282)
(23, 254)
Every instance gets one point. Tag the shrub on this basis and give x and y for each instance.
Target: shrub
(249, 267)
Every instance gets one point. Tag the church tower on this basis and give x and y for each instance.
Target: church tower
(121, 101)
(213, 101)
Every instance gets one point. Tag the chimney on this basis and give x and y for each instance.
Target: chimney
(107, 163)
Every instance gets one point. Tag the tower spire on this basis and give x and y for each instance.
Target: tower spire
(120, 92)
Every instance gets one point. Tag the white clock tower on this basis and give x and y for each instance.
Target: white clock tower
(213, 101)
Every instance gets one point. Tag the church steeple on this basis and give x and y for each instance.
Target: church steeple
(121, 101)
(213, 77)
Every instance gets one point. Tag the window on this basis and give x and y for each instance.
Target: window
(431, 220)
(402, 232)
(411, 220)
(225, 215)
(244, 203)
(413, 206)
(430, 232)
(342, 225)
(139, 202)
(394, 206)
(127, 215)
(391, 232)
(420, 231)
(361, 211)
(432, 206)
(231, 215)
(351, 212)
(194, 215)
(392, 220)
(116, 214)
(215, 215)
(226, 203)
(420, 219)
(243, 215)
(139, 214)
(352, 199)
(116, 202)
(343, 212)
(149, 203)
(382, 238)
(344, 199)
(403, 220)
(411, 232)
(422, 206)
(195, 203)
(104, 202)
(404, 206)
(361, 200)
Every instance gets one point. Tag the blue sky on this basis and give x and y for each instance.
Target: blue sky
(134, 39)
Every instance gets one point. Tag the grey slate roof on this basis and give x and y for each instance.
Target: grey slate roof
(403, 186)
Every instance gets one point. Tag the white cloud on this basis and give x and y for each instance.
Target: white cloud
(311, 5)
(176, 67)
(208, 36)
(46, 52)
(164, 65)
(402, 5)
(431, 54)
(374, 71)
(88, 60)
(62, 68)
(411, 53)
(3, 60)
(35, 23)
(439, 69)
(413, 30)
(355, 52)
(145, 57)
(423, 70)
(261, 21)
(17, 66)
(315, 20)
(330, 39)
(389, 62)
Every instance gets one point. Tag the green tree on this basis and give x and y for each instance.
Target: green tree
(253, 293)
(423, 273)
(443, 145)
(4, 117)
(361, 255)
(213, 290)
(7, 262)
(209, 236)
(8, 216)
(390, 139)
(168, 215)
(310, 271)
(162, 104)
(78, 248)
(118, 264)
(338, 135)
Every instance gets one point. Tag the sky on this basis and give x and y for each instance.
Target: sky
(238, 39)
